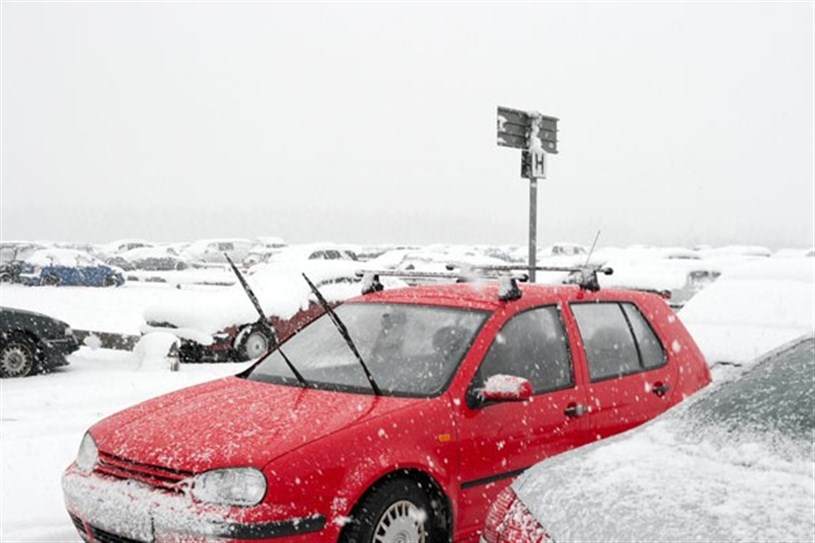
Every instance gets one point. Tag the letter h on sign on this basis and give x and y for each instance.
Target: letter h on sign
(533, 165)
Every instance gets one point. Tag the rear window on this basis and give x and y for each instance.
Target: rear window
(617, 340)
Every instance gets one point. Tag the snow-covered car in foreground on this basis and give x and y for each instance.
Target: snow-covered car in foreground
(398, 419)
(67, 267)
(735, 463)
(223, 326)
(32, 342)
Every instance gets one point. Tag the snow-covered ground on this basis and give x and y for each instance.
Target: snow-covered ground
(750, 310)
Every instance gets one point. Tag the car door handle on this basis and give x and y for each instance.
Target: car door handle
(575, 410)
(660, 389)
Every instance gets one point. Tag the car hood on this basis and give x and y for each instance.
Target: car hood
(232, 422)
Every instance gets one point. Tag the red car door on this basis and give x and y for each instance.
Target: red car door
(630, 379)
(498, 441)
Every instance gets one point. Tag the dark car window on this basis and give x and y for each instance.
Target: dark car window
(607, 339)
(411, 350)
(531, 345)
(651, 350)
(776, 399)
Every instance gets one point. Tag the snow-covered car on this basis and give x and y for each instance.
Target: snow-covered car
(309, 252)
(211, 251)
(262, 249)
(66, 267)
(114, 248)
(223, 325)
(428, 261)
(399, 418)
(678, 274)
(149, 259)
(735, 463)
(32, 342)
(753, 308)
(12, 256)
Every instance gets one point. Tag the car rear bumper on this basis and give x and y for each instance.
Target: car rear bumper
(115, 510)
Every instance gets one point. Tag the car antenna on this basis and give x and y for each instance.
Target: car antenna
(344, 333)
(263, 321)
(591, 251)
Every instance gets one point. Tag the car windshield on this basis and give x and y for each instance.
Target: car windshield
(411, 350)
(773, 403)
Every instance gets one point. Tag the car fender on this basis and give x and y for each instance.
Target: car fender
(329, 476)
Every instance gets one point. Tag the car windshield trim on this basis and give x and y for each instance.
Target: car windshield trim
(364, 388)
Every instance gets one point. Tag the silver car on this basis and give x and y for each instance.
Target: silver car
(734, 463)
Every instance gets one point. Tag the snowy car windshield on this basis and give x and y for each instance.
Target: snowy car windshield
(411, 350)
(774, 402)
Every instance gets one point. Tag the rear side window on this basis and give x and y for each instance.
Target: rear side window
(651, 351)
(532, 345)
(617, 339)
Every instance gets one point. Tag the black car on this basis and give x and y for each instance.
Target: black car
(32, 342)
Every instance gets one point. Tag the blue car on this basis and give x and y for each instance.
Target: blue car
(66, 267)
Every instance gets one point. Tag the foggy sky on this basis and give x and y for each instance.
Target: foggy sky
(680, 123)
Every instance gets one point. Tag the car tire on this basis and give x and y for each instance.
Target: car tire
(50, 280)
(398, 510)
(18, 357)
(255, 343)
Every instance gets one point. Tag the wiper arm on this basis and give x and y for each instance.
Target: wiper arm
(344, 333)
(264, 321)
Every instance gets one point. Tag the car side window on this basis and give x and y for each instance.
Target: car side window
(607, 339)
(532, 345)
(651, 350)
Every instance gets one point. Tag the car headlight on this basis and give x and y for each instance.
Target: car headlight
(87, 455)
(230, 486)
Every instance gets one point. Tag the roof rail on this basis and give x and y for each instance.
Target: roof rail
(583, 276)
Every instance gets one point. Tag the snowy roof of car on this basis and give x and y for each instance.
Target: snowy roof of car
(61, 257)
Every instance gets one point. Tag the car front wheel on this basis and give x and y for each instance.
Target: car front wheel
(398, 511)
(17, 358)
(255, 343)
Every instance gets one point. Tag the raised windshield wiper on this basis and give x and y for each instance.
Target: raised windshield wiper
(264, 321)
(344, 333)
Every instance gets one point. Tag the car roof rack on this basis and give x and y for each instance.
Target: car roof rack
(583, 276)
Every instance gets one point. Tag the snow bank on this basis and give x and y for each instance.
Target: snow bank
(753, 308)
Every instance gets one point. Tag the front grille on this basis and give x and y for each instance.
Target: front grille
(106, 537)
(171, 480)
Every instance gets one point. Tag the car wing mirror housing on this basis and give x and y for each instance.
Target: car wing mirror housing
(505, 388)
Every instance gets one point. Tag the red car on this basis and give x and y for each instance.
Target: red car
(406, 433)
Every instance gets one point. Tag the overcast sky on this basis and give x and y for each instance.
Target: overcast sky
(680, 123)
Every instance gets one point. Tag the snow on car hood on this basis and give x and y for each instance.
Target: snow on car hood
(281, 290)
(232, 422)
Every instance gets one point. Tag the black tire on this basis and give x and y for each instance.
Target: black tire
(396, 510)
(50, 280)
(18, 357)
(255, 342)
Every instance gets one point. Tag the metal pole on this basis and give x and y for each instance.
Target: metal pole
(533, 227)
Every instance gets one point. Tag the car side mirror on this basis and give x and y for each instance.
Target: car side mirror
(504, 388)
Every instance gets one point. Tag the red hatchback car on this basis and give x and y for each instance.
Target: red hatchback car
(415, 453)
